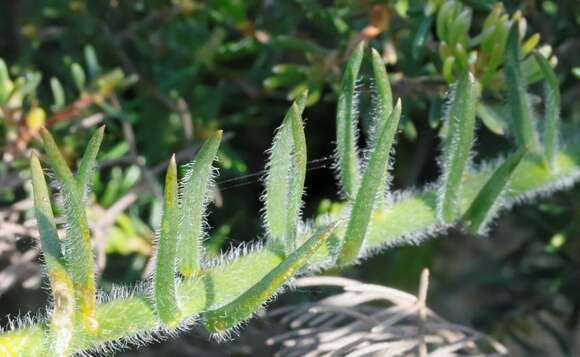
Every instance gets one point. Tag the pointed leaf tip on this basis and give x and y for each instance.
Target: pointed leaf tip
(460, 117)
(196, 193)
(165, 293)
(373, 180)
(348, 160)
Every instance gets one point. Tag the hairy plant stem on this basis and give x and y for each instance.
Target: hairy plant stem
(411, 217)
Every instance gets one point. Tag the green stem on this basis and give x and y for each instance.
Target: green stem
(410, 218)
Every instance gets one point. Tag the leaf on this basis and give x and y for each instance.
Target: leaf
(79, 76)
(196, 193)
(250, 301)
(552, 108)
(165, 294)
(92, 62)
(57, 93)
(285, 178)
(491, 118)
(87, 163)
(346, 127)
(483, 206)
(384, 106)
(50, 243)
(523, 120)
(297, 177)
(78, 248)
(373, 180)
(460, 118)
(6, 86)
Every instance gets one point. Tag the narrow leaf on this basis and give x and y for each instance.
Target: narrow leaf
(87, 162)
(50, 243)
(246, 304)
(297, 178)
(346, 126)
(460, 118)
(92, 62)
(373, 180)
(552, 105)
(483, 206)
(384, 107)
(285, 178)
(522, 116)
(60, 281)
(57, 93)
(196, 193)
(79, 76)
(6, 86)
(78, 249)
(165, 294)
(384, 92)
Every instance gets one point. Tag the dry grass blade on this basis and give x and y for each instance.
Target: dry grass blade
(395, 324)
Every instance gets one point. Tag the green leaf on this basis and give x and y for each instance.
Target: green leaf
(346, 126)
(285, 178)
(5, 85)
(485, 203)
(92, 62)
(250, 301)
(384, 106)
(87, 163)
(491, 118)
(196, 193)
(521, 111)
(552, 111)
(460, 118)
(79, 76)
(165, 294)
(78, 248)
(60, 282)
(297, 177)
(373, 180)
(57, 93)
(50, 243)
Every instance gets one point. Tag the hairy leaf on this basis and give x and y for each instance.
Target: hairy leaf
(87, 162)
(460, 117)
(246, 304)
(346, 126)
(384, 105)
(297, 178)
(165, 298)
(552, 105)
(373, 180)
(521, 111)
(60, 281)
(196, 193)
(285, 178)
(78, 249)
(483, 206)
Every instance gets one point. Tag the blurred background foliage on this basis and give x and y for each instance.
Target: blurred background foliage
(163, 75)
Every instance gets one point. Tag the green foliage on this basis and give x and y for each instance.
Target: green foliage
(486, 202)
(457, 148)
(165, 298)
(346, 127)
(78, 245)
(373, 180)
(285, 179)
(523, 118)
(196, 189)
(194, 67)
(229, 291)
(552, 108)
